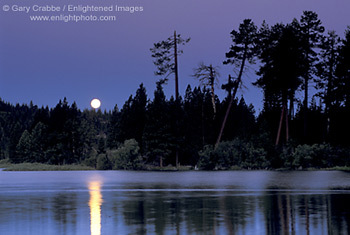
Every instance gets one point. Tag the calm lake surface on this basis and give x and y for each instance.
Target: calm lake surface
(192, 202)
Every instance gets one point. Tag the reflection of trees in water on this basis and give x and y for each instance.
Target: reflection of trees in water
(176, 208)
(200, 214)
(307, 214)
(19, 212)
(154, 208)
(135, 214)
(285, 214)
(160, 212)
(64, 208)
(339, 213)
(274, 213)
(236, 212)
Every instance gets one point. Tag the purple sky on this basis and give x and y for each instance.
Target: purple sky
(46, 61)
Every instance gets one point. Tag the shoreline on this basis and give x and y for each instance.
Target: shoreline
(42, 167)
(74, 167)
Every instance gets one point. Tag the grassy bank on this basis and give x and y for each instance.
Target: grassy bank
(167, 168)
(7, 166)
(41, 167)
(338, 168)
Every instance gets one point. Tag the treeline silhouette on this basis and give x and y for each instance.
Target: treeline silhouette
(200, 130)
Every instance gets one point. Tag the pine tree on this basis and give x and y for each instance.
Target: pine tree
(166, 56)
(157, 135)
(130, 121)
(114, 128)
(311, 30)
(208, 76)
(343, 71)
(342, 92)
(326, 75)
(243, 50)
(280, 75)
(194, 130)
(24, 149)
(39, 137)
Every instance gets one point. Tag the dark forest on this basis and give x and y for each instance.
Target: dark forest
(198, 129)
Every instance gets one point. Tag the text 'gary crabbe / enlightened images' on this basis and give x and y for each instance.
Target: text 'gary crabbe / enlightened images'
(72, 13)
(73, 8)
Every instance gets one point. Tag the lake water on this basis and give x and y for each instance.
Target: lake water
(193, 202)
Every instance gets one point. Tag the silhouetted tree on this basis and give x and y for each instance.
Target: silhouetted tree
(24, 149)
(166, 54)
(193, 123)
(157, 137)
(66, 145)
(343, 70)
(114, 129)
(130, 121)
(311, 30)
(326, 74)
(242, 50)
(39, 137)
(342, 90)
(208, 76)
(281, 53)
(176, 129)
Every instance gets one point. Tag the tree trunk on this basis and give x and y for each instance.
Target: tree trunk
(291, 107)
(287, 124)
(280, 127)
(212, 90)
(203, 137)
(329, 94)
(176, 83)
(306, 90)
(306, 108)
(176, 69)
(284, 114)
(239, 79)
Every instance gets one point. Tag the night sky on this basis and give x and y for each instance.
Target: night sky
(46, 61)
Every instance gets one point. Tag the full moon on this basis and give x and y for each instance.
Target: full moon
(95, 103)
